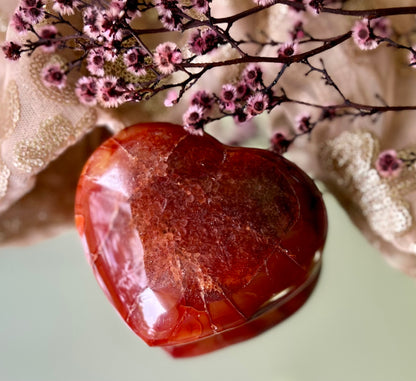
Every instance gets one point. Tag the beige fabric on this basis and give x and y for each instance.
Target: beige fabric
(38, 125)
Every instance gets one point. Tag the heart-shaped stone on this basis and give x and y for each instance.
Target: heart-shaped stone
(198, 245)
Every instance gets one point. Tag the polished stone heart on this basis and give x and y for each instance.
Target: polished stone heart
(198, 245)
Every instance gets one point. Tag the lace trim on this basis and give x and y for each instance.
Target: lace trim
(4, 22)
(349, 159)
(13, 108)
(4, 179)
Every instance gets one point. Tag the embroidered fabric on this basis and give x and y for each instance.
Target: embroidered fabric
(37, 125)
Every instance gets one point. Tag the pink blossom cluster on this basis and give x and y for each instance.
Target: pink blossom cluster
(167, 56)
(243, 100)
(54, 76)
(29, 12)
(109, 91)
(367, 34)
(169, 15)
(12, 50)
(280, 142)
(107, 29)
(203, 41)
(106, 36)
(388, 164)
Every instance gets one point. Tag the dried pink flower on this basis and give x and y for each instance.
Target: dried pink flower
(242, 90)
(96, 61)
(211, 39)
(412, 57)
(171, 98)
(303, 123)
(11, 50)
(257, 103)
(127, 7)
(381, 27)
(297, 32)
(110, 25)
(201, 6)
(66, 7)
(288, 49)
(192, 120)
(253, 76)
(86, 91)
(203, 41)
(279, 142)
(388, 164)
(240, 116)
(203, 99)
(169, 14)
(109, 91)
(167, 56)
(32, 11)
(111, 52)
(54, 76)
(19, 23)
(228, 93)
(196, 43)
(362, 36)
(134, 59)
(91, 27)
(228, 96)
(48, 33)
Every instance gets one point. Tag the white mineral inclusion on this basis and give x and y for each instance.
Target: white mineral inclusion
(150, 306)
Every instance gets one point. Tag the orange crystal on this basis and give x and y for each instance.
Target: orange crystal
(198, 245)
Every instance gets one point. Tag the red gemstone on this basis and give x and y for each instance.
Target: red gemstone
(198, 245)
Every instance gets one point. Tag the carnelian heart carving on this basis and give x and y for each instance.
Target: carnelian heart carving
(198, 245)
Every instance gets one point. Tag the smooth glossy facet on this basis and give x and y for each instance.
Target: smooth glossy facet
(198, 245)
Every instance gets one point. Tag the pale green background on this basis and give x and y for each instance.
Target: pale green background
(55, 323)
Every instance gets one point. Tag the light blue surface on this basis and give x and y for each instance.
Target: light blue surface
(56, 325)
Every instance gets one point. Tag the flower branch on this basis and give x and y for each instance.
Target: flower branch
(109, 37)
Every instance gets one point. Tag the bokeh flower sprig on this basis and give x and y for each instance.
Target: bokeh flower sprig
(104, 32)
